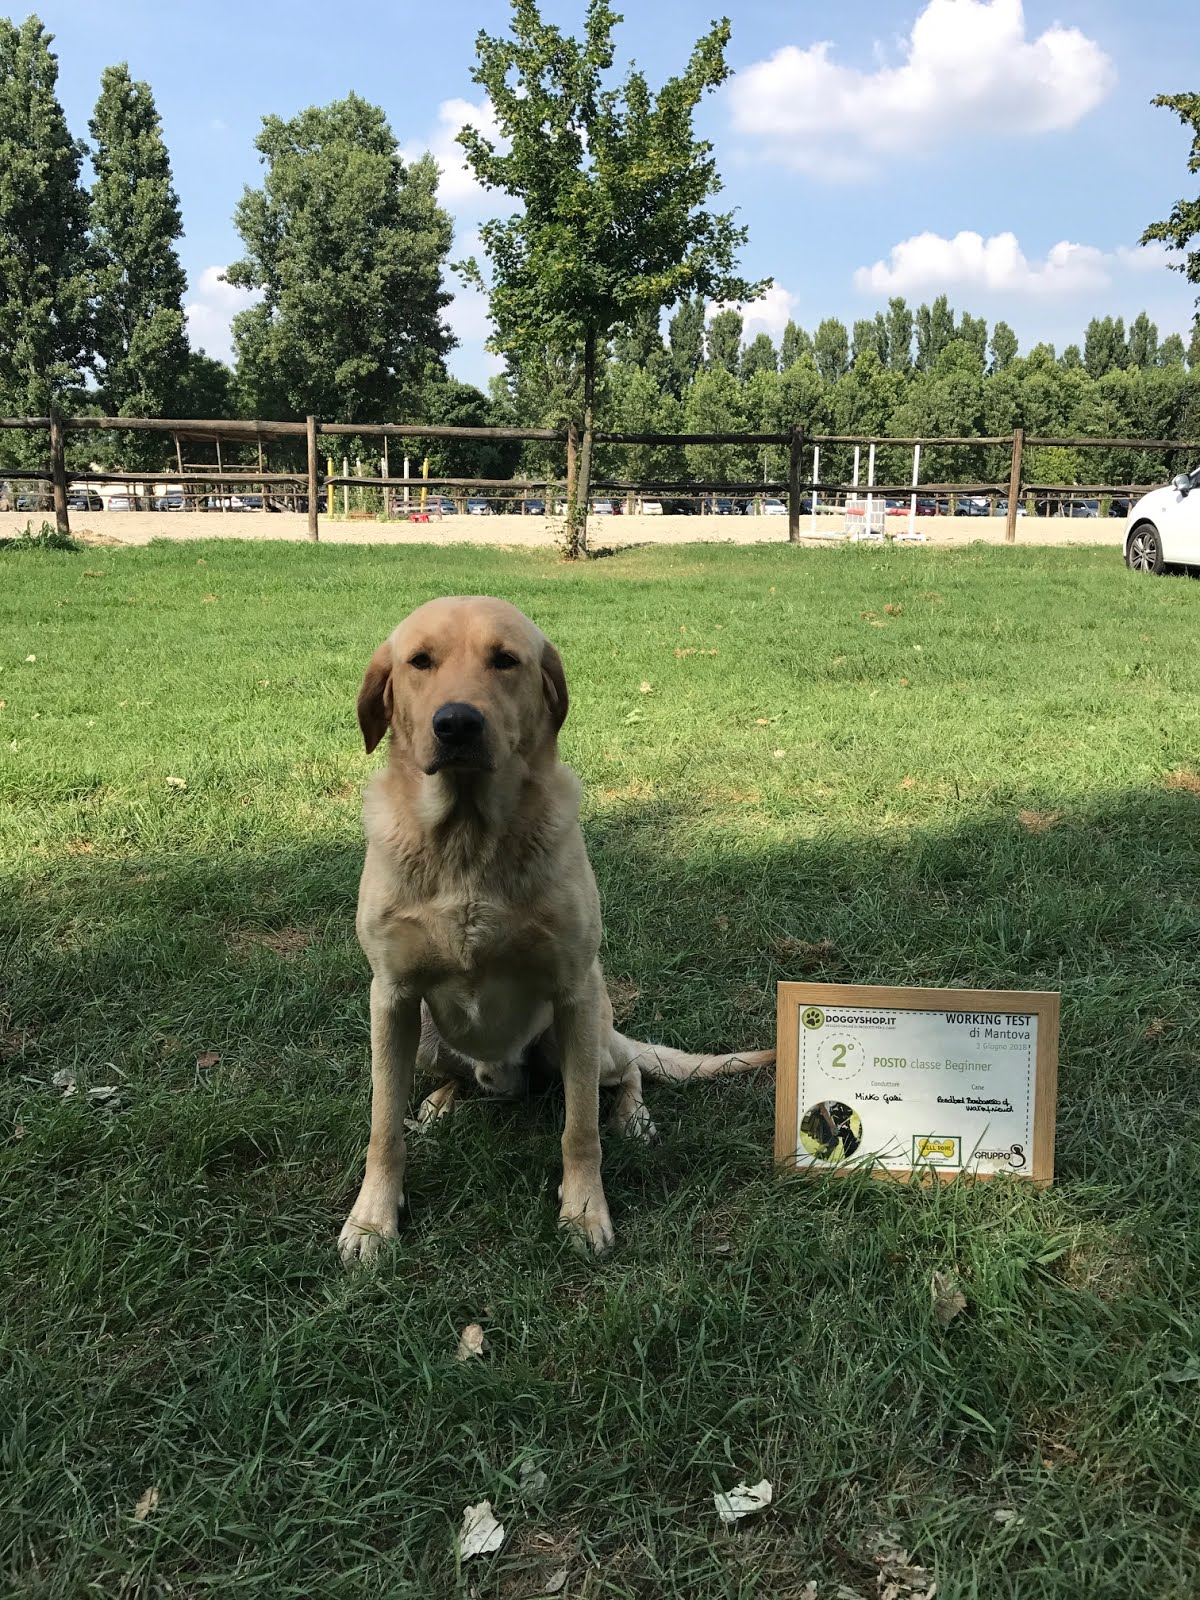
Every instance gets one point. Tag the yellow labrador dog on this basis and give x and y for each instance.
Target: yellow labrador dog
(478, 910)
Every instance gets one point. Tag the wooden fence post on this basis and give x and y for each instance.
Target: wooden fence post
(58, 471)
(794, 466)
(310, 428)
(1014, 486)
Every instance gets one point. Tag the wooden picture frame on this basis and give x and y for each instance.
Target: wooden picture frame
(983, 1009)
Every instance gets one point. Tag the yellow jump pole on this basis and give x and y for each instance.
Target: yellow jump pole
(424, 474)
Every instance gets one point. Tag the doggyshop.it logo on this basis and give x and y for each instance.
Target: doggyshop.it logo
(812, 1017)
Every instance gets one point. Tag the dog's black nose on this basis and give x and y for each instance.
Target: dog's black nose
(456, 723)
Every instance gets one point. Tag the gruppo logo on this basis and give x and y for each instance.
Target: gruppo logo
(812, 1017)
(937, 1150)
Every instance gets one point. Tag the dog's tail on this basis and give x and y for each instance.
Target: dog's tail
(677, 1066)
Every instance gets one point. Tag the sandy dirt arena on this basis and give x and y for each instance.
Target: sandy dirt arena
(140, 527)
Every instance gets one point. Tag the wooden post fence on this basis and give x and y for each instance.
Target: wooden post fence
(58, 472)
(310, 428)
(794, 471)
(1014, 486)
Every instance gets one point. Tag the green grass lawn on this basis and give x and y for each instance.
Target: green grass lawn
(969, 767)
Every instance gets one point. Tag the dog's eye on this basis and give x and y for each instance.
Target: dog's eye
(422, 661)
(504, 662)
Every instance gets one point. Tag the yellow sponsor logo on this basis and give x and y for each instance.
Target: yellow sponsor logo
(936, 1147)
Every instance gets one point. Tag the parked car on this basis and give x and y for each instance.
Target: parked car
(971, 505)
(224, 502)
(533, 508)
(1002, 507)
(928, 507)
(81, 500)
(31, 502)
(1118, 506)
(1081, 508)
(1163, 527)
(776, 508)
(123, 502)
(719, 506)
(171, 501)
(652, 508)
(602, 508)
(479, 508)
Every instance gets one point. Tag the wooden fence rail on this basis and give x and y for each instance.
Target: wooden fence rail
(258, 431)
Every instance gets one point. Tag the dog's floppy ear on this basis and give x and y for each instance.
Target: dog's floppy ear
(554, 685)
(375, 697)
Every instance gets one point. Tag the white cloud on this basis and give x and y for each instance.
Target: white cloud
(770, 313)
(968, 69)
(930, 262)
(459, 190)
(213, 307)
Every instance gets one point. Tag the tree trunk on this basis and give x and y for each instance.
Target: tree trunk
(577, 508)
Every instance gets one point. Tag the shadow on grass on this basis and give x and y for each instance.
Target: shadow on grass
(175, 1318)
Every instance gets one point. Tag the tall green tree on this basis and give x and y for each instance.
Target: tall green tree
(831, 349)
(1182, 228)
(1004, 347)
(347, 245)
(1143, 342)
(974, 331)
(611, 186)
(138, 282)
(794, 344)
(723, 342)
(1171, 352)
(760, 355)
(1193, 353)
(1105, 346)
(685, 339)
(935, 330)
(899, 335)
(45, 326)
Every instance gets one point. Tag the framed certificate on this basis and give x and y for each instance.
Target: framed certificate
(935, 1082)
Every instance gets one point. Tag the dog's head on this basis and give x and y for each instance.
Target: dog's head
(465, 685)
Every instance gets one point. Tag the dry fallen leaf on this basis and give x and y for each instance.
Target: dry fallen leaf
(1156, 1028)
(645, 687)
(907, 783)
(176, 783)
(145, 1505)
(779, 754)
(762, 722)
(532, 1479)
(208, 1059)
(28, 659)
(19, 1129)
(480, 1533)
(743, 1501)
(471, 1342)
(208, 599)
(64, 1079)
(894, 610)
(556, 1582)
(1004, 1515)
(104, 1095)
(948, 1299)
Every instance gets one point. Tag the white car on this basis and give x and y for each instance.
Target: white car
(1163, 527)
(774, 508)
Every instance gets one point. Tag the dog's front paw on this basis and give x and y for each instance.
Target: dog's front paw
(588, 1223)
(365, 1233)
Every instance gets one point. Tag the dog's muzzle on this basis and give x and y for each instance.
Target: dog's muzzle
(460, 731)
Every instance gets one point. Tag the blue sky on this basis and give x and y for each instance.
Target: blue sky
(1005, 154)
